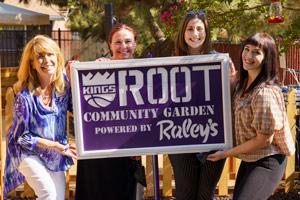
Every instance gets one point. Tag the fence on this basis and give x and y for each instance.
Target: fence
(12, 43)
(293, 65)
(234, 51)
(290, 71)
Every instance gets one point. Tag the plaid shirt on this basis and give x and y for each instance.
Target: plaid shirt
(259, 111)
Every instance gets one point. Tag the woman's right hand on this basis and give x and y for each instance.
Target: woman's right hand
(67, 150)
(219, 155)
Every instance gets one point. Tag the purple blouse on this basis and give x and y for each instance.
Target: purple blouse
(32, 121)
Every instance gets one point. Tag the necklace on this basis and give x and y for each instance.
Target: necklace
(46, 98)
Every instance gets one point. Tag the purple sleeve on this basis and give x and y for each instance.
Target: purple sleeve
(70, 104)
(20, 124)
(68, 93)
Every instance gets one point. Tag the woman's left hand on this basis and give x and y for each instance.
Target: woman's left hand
(136, 157)
(68, 68)
(70, 150)
(102, 59)
(232, 70)
(219, 155)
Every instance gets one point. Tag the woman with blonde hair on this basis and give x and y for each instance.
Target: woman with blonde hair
(37, 148)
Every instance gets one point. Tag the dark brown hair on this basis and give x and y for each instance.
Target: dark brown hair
(269, 65)
(181, 48)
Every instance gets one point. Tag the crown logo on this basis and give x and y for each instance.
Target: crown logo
(98, 79)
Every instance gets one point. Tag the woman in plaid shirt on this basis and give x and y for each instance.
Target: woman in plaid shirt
(259, 119)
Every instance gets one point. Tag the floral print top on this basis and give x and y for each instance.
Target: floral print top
(31, 121)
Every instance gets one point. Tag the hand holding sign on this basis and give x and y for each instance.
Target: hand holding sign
(219, 155)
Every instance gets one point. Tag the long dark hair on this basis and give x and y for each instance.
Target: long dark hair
(181, 48)
(269, 65)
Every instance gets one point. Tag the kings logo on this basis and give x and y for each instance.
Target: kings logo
(99, 90)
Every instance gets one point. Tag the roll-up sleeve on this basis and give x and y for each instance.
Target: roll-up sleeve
(267, 111)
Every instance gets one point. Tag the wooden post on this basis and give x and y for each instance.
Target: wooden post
(236, 166)
(1, 157)
(67, 191)
(28, 191)
(167, 177)
(71, 173)
(149, 177)
(290, 168)
(224, 179)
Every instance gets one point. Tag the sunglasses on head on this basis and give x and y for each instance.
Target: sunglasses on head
(200, 12)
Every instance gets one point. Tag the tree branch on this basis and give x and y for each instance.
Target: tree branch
(289, 8)
(155, 30)
(258, 6)
(243, 9)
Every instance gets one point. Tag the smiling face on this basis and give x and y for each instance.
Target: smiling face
(252, 57)
(46, 65)
(122, 44)
(194, 35)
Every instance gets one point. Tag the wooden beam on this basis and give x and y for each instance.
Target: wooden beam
(291, 113)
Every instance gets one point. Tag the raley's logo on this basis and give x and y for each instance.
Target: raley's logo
(101, 95)
(99, 90)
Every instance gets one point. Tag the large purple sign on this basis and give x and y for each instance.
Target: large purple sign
(152, 106)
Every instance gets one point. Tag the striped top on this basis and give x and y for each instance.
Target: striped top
(260, 111)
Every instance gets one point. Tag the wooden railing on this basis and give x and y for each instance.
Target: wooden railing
(1, 157)
(8, 78)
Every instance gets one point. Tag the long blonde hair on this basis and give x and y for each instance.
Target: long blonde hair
(27, 75)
